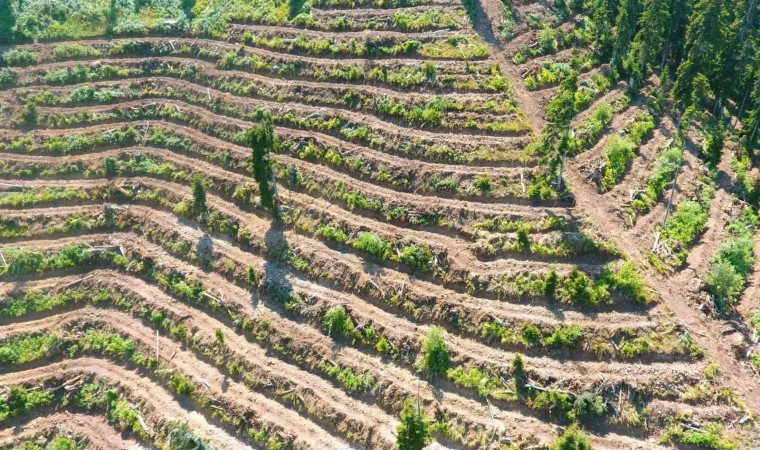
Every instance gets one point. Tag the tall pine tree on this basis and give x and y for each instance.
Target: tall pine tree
(260, 138)
(704, 47)
(625, 26)
(649, 41)
(601, 17)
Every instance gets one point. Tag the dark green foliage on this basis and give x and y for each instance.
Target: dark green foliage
(624, 30)
(518, 373)
(650, 39)
(110, 167)
(413, 431)
(705, 41)
(199, 196)
(434, 356)
(181, 437)
(260, 138)
(29, 114)
(589, 406)
(714, 144)
(296, 7)
(601, 18)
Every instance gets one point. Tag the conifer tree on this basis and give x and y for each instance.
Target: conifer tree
(260, 138)
(199, 196)
(649, 40)
(704, 44)
(625, 26)
(413, 432)
(601, 17)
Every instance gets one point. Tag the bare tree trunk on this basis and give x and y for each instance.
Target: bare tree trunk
(675, 176)
(665, 49)
(277, 208)
(741, 108)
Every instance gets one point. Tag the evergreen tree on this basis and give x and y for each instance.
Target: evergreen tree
(260, 138)
(199, 196)
(518, 373)
(674, 49)
(750, 131)
(625, 26)
(434, 356)
(649, 42)
(601, 17)
(110, 167)
(413, 432)
(704, 44)
(560, 112)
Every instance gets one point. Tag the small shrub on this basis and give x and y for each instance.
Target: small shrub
(434, 356)
(372, 243)
(572, 439)
(589, 406)
(338, 322)
(568, 336)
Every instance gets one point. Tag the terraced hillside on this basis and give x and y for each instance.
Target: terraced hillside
(288, 225)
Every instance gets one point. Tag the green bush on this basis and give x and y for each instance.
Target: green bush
(29, 348)
(7, 78)
(181, 437)
(572, 439)
(19, 58)
(333, 234)
(626, 279)
(589, 406)
(567, 336)
(555, 402)
(181, 385)
(373, 244)
(619, 153)
(416, 256)
(687, 222)
(578, 288)
(724, 282)
(434, 356)
(338, 322)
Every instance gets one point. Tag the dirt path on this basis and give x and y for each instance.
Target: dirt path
(488, 12)
(99, 433)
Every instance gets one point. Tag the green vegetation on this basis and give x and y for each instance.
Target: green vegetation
(434, 354)
(572, 439)
(261, 140)
(413, 431)
(338, 322)
(734, 259)
(181, 437)
(199, 196)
